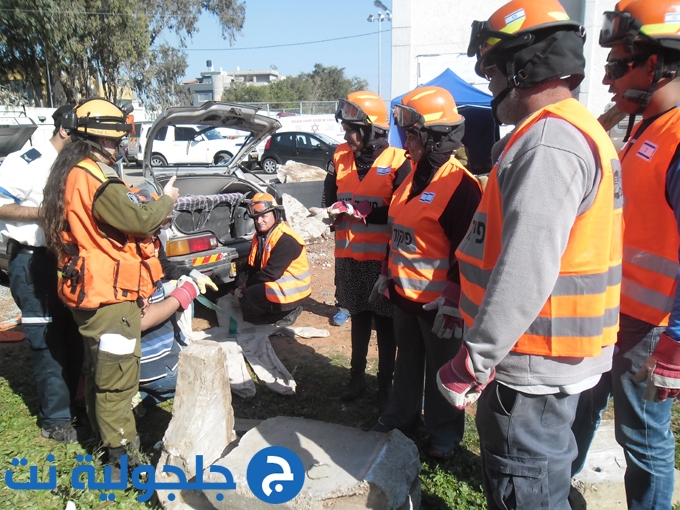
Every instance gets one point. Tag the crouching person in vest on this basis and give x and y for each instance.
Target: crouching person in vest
(107, 262)
(429, 216)
(541, 264)
(278, 277)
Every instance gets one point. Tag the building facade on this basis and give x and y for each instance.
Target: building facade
(430, 35)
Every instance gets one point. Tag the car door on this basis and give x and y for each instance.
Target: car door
(320, 152)
(284, 145)
(189, 148)
(304, 152)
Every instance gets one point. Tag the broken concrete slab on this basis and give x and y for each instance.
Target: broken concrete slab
(345, 467)
(293, 171)
(600, 485)
(202, 417)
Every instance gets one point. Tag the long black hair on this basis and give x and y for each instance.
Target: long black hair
(52, 218)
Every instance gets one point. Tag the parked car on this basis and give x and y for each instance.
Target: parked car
(186, 145)
(215, 241)
(308, 148)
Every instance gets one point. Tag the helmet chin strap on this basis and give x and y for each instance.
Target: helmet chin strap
(496, 101)
(106, 157)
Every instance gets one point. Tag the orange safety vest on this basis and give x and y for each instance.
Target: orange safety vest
(296, 281)
(353, 238)
(650, 240)
(98, 270)
(581, 314)
(419, 248)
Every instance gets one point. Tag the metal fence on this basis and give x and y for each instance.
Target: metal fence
(297, 107)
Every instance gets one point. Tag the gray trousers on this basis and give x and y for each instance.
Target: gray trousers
(527, 448)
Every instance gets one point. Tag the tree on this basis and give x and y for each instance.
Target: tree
(322, 84)
(113, 41)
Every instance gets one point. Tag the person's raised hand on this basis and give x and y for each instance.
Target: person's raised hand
(170, 189)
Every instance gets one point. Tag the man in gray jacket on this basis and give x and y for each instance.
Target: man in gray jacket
(541, 263)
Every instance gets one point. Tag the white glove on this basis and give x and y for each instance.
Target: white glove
(202, 280)
(448, 321)
(379, 288)
(168, 287)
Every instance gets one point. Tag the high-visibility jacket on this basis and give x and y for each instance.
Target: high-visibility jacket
(353, 238)
(98, 270)
(650, 240)
(296, 282)
(419, 248)
(581, 314)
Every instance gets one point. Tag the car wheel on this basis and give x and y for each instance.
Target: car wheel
(330, 167)
(158, 160)
(222, 158)
(269, 165)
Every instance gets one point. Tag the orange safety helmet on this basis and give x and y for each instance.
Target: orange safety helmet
(427, 107)
(642, 21)
(262, 203)
(364, 107)
(530, 42)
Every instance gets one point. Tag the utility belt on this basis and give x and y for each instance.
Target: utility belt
(14, 248)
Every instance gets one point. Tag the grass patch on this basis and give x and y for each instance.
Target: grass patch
(455, 483)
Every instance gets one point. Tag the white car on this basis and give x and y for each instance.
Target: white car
(184, 145)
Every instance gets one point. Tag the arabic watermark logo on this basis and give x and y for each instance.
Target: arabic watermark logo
(275, 475)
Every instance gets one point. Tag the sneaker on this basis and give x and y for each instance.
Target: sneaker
(64, 433)
(289, 319)
(340, 318)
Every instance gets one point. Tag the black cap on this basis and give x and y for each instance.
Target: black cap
(58, 115)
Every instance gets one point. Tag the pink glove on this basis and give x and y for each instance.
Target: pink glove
(362, 209)
(448, 321)
(456, 380)
(185, 293)
(662, 371)
(341, 208)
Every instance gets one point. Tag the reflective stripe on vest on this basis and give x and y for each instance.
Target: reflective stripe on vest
(581, 314)
(354, 238)
(651, 239)
(100, 270)
(295, 283)
(419, 248)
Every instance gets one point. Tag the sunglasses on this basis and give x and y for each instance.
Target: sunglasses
(615, 69)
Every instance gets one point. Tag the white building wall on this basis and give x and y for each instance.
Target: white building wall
(431, 35)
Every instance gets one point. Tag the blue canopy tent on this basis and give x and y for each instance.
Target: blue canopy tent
(480, 129)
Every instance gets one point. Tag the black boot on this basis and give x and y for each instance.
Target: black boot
(384, 392)
(134, 459)
(357, 385)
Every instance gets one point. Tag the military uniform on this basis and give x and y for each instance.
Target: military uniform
(49, 329)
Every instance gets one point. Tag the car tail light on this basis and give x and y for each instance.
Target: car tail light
(268, 144)
(177, 247)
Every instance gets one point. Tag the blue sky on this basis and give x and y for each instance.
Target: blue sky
(279, 22)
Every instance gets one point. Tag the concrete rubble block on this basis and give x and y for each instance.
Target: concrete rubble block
(346, 468)
(309, 227)
(293, 171)
(239, 378)
(599, 485)
(202, 417)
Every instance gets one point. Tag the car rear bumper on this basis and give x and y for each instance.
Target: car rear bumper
(218, 264)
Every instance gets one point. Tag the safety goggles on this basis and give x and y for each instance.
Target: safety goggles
(349, 112)
(260, 207)
(406, 117)
(618, 27)
(615, 69)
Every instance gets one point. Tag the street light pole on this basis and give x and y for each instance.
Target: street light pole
(379, 18)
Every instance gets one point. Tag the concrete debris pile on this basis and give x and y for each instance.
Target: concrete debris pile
(293, 171)
(312, 224)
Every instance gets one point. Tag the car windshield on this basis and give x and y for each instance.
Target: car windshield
(326, 139)
(211, 134)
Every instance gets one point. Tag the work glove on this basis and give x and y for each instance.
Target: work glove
(662, 371)
(202, 280)
(358, 212)
(448, 321)
(457, 382)
(168, 287)
(185, 292)
(381, 284)
(240, 291)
